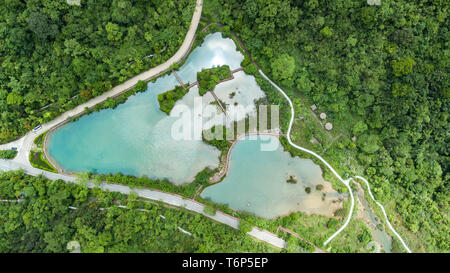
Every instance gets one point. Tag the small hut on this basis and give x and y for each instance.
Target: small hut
(328, 126)
(323, 115)
(313, 107)
(73, 2)
(373, 2)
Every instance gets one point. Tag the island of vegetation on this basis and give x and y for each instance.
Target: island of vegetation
(377, 71)
(209, 78)
(292, 179)
(37, 156)
(38, 160)
(168, 99)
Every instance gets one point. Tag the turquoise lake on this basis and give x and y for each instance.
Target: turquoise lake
(256, 182)
(136, 138)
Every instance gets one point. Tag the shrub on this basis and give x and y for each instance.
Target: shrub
(332, 223)
(8, 154)
(339, 212)
(245, 226)
(38, 160)
(40, 139)
(308, 190)
(208, 78)
(402, 66)
(292, 180)
(210, 210)
(365, 237)
(246, 61)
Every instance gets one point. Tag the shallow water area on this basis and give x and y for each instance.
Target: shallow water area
(257, 182)
(137, 138)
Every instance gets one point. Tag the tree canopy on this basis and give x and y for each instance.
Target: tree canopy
(54, 56)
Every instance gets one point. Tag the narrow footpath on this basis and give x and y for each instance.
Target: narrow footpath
(346, 182)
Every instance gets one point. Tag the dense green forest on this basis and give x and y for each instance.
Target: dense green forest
(379, 72)
(54, 56)
(43, 222)
(381, 75)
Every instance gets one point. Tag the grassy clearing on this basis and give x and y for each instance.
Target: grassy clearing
(38, 160)
(39, 141)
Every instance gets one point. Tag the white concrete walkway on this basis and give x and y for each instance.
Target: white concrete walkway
(346, 182)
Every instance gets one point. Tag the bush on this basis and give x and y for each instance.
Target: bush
(245, 226)
(308, 190)
(8, 154)
(340, 212)
(168, 99)
(246, 61)
(210, 210)
(141, 86)
(332, 223)
(40, 139)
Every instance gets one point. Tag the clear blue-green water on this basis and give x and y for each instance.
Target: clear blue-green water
(214, 51)
(256, 182)
(136, 138)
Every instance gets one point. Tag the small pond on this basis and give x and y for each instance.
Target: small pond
(257, 182)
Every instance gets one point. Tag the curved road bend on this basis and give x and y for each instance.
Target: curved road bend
(346, 182)
(25, 143)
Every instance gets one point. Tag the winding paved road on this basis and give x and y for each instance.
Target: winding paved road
(346, 182)
(25, 143)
